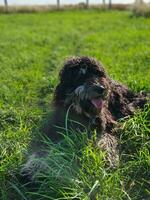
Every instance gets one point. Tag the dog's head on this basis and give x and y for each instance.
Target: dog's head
(83, 83)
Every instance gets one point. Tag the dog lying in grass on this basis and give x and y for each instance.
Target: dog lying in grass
(89, 96)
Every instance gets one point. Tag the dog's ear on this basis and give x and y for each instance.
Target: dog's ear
(119, 100)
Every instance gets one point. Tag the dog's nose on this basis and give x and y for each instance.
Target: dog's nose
(99, 89)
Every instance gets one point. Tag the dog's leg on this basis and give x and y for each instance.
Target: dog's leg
(109, 144)
(34, 166)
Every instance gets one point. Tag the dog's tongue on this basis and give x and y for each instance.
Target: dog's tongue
(97, 103)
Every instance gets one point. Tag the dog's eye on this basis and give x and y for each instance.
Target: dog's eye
(100, 73)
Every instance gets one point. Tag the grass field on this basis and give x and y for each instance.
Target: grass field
(32, 50)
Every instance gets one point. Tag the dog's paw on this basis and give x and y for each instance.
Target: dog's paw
(109, 144)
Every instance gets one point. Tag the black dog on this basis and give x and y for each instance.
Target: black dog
(93, 99)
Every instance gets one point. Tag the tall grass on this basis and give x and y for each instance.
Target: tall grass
(76, 169)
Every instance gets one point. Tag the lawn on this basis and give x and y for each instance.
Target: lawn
(33, 48)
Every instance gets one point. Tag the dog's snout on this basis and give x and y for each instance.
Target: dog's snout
(99, 89)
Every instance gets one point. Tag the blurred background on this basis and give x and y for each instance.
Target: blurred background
(58, 3)
(53, 2)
